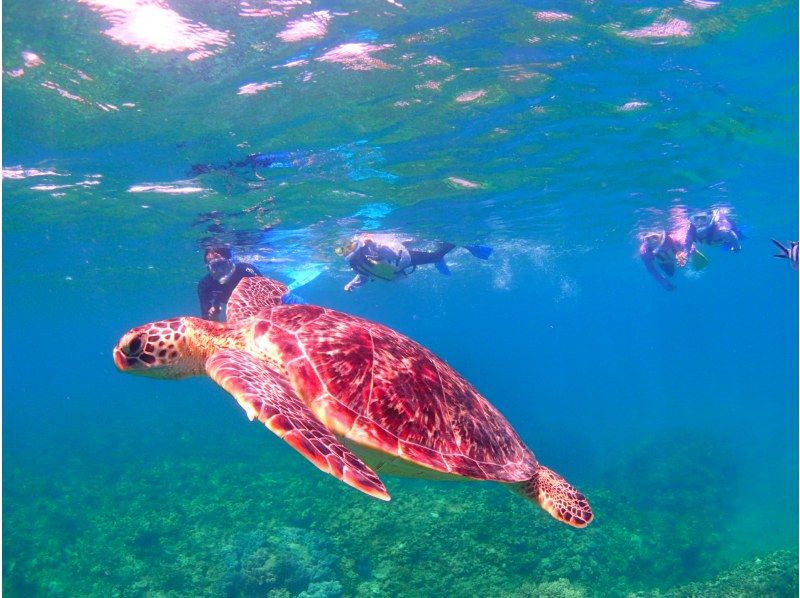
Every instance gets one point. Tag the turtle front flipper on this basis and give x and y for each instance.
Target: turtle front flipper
(558, 497)
(266, 394)
(253, 295)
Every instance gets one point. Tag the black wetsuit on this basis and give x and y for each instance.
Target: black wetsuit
(212, 294)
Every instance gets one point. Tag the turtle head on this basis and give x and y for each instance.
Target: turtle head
(165, 349)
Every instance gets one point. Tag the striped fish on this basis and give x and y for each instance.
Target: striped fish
(789, 253)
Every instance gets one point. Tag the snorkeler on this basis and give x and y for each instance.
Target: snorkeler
(385, 257)
(215, 288)
(661, 253)
(714, 228)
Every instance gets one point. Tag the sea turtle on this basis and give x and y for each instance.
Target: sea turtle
(352, 396)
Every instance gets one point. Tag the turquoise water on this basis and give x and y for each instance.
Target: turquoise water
(554, 133)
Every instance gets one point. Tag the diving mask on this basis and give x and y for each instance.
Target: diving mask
(701, 220)
(654, 240)
(221, 269)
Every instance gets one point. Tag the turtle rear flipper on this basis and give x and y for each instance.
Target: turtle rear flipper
(558, 497)
(266, 394)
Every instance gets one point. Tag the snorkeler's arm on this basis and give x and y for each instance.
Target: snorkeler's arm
(691, 239)
(359, 281)
(733, 240)
(690, 242)
(205, 294)
(649, 263)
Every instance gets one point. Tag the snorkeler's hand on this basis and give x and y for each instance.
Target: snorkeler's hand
(681, 257)
(348, 287)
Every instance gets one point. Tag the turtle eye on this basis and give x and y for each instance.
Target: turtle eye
(135, 345)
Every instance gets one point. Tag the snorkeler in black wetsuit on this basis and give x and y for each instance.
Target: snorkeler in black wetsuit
(215, 288)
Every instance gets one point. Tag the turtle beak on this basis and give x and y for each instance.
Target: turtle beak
(119, 360)
(129, 349)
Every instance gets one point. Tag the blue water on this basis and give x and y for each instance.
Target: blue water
(674, 412)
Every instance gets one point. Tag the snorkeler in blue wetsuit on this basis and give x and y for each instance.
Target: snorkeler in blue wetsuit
(386, 257)
(714, 228)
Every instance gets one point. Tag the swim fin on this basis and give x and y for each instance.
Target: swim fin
(699, 261)
(302, 276)
(482, 252)
(442, 267)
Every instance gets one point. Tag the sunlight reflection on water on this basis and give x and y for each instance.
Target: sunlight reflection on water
(151, 25)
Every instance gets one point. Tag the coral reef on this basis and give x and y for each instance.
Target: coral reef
(771, 575)
(205, 525)
(675, 484)
(286, 560)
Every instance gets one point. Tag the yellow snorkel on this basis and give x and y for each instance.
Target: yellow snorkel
(347, 249)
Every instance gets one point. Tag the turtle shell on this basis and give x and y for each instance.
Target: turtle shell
(385, 392)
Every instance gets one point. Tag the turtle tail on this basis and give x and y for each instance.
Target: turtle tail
(558, 497)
